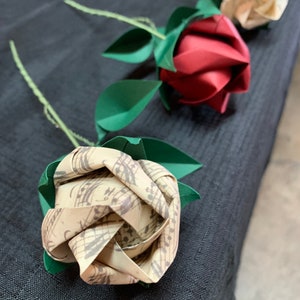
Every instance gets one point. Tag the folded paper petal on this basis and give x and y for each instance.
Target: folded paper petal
(212, 61)
(117, 217)
(253, 13)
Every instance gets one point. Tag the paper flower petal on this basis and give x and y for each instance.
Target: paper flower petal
(180, 18)
(253, 13)
(117, 217)
(212, 61)
(57, 204)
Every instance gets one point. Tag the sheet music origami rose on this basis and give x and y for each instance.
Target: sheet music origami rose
(117, 217)
(113, 208)
(253, 13)
(211, 61)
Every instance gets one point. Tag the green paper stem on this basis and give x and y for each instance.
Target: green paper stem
(146, 21)
(49, 111)
(82, 139)
(137, 22)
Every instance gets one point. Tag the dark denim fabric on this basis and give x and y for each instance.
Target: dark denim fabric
(61, 48)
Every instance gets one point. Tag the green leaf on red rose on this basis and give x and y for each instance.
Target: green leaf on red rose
(179, 14)
(179, 20)
(122, 102)
(164, 50)
(164, 92)
(209, 7)
(134, 46)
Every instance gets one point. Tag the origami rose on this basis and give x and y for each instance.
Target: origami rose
(117, 217)
(253, 13)
(211, 61)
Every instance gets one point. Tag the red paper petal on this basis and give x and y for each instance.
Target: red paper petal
(198, 87)
(212, 61)
(203, 53)
(219, 102)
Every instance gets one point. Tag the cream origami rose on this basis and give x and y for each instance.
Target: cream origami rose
(117, 217)
(253, 13)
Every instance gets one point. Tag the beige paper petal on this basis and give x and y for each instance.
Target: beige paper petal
(87, 245)
(98, 273)
(118, 218)
(253, 13)
(55, 234)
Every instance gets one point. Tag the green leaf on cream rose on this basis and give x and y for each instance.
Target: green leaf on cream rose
(174, 160)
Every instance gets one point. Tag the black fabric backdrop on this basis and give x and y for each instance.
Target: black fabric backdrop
(61, 49)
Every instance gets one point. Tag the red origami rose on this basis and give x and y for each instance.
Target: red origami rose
(211, 61)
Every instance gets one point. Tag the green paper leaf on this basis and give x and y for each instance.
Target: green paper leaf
(187, 194)
(163, 51)
(177, 162)
(122, 102)
(134, 46)
(179, 20)
(101, 133)
(52, 266)
(164, 92)
(46, 187)
(178, 16)
(132, 146)
(209, 7)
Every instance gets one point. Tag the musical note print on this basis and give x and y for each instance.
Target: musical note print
(116, 217)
